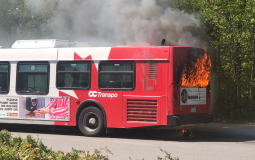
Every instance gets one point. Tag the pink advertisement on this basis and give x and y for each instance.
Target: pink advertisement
(37, 108)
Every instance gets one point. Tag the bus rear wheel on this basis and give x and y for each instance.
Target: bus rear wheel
(91, 122)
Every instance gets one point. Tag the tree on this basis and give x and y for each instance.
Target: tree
(17, 21)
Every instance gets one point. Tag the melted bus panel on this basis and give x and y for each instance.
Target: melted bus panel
(190, 103)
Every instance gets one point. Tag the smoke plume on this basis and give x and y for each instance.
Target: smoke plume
(122, 22)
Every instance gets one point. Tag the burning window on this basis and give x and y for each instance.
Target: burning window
(197, 72)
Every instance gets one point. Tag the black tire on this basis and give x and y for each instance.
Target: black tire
(91, 122)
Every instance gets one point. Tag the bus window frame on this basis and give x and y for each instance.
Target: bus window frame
(118, 72)
(8, 77)
(73, 88)
(33, 62)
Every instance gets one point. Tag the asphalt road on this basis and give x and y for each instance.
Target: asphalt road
(206, 141)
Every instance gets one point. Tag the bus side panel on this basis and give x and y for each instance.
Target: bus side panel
(111, 104)
(113, 110)
(163, 110)
(72, 111)
(170, 92)
(165, 89)
(148, 109)
(145, 105)
(179, 57)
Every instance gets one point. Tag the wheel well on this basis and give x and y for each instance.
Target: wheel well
(86, 104)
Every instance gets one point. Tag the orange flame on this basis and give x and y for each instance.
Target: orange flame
(198, 76)
(186, 133)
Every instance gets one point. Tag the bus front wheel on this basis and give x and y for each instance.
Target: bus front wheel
(91, 122)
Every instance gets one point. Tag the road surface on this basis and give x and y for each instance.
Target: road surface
(206, 142)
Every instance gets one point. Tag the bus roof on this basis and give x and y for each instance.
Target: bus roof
(54, 50)
(47, 43)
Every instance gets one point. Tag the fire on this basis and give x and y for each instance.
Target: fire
(198, 76)
(186, 133)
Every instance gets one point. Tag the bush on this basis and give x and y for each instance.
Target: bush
(31, 149)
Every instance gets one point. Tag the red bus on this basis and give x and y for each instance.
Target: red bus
(53, 82)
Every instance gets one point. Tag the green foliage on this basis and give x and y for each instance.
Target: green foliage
(168, 156)
(31, 149)
(18, 21)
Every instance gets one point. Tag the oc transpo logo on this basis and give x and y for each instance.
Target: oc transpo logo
(100, 94)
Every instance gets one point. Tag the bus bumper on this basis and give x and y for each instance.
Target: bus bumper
(189, 119)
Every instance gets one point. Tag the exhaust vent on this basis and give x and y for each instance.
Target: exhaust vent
(141, 110)
(153, 70)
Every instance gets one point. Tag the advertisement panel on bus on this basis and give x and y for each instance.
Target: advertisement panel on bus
(193, 96)
(40, 108)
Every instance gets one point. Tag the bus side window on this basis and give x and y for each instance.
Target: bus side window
(73, 75)
(116, 75)
(32, 78)
(4, 77)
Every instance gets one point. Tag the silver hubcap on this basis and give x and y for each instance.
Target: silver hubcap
(90, 121)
